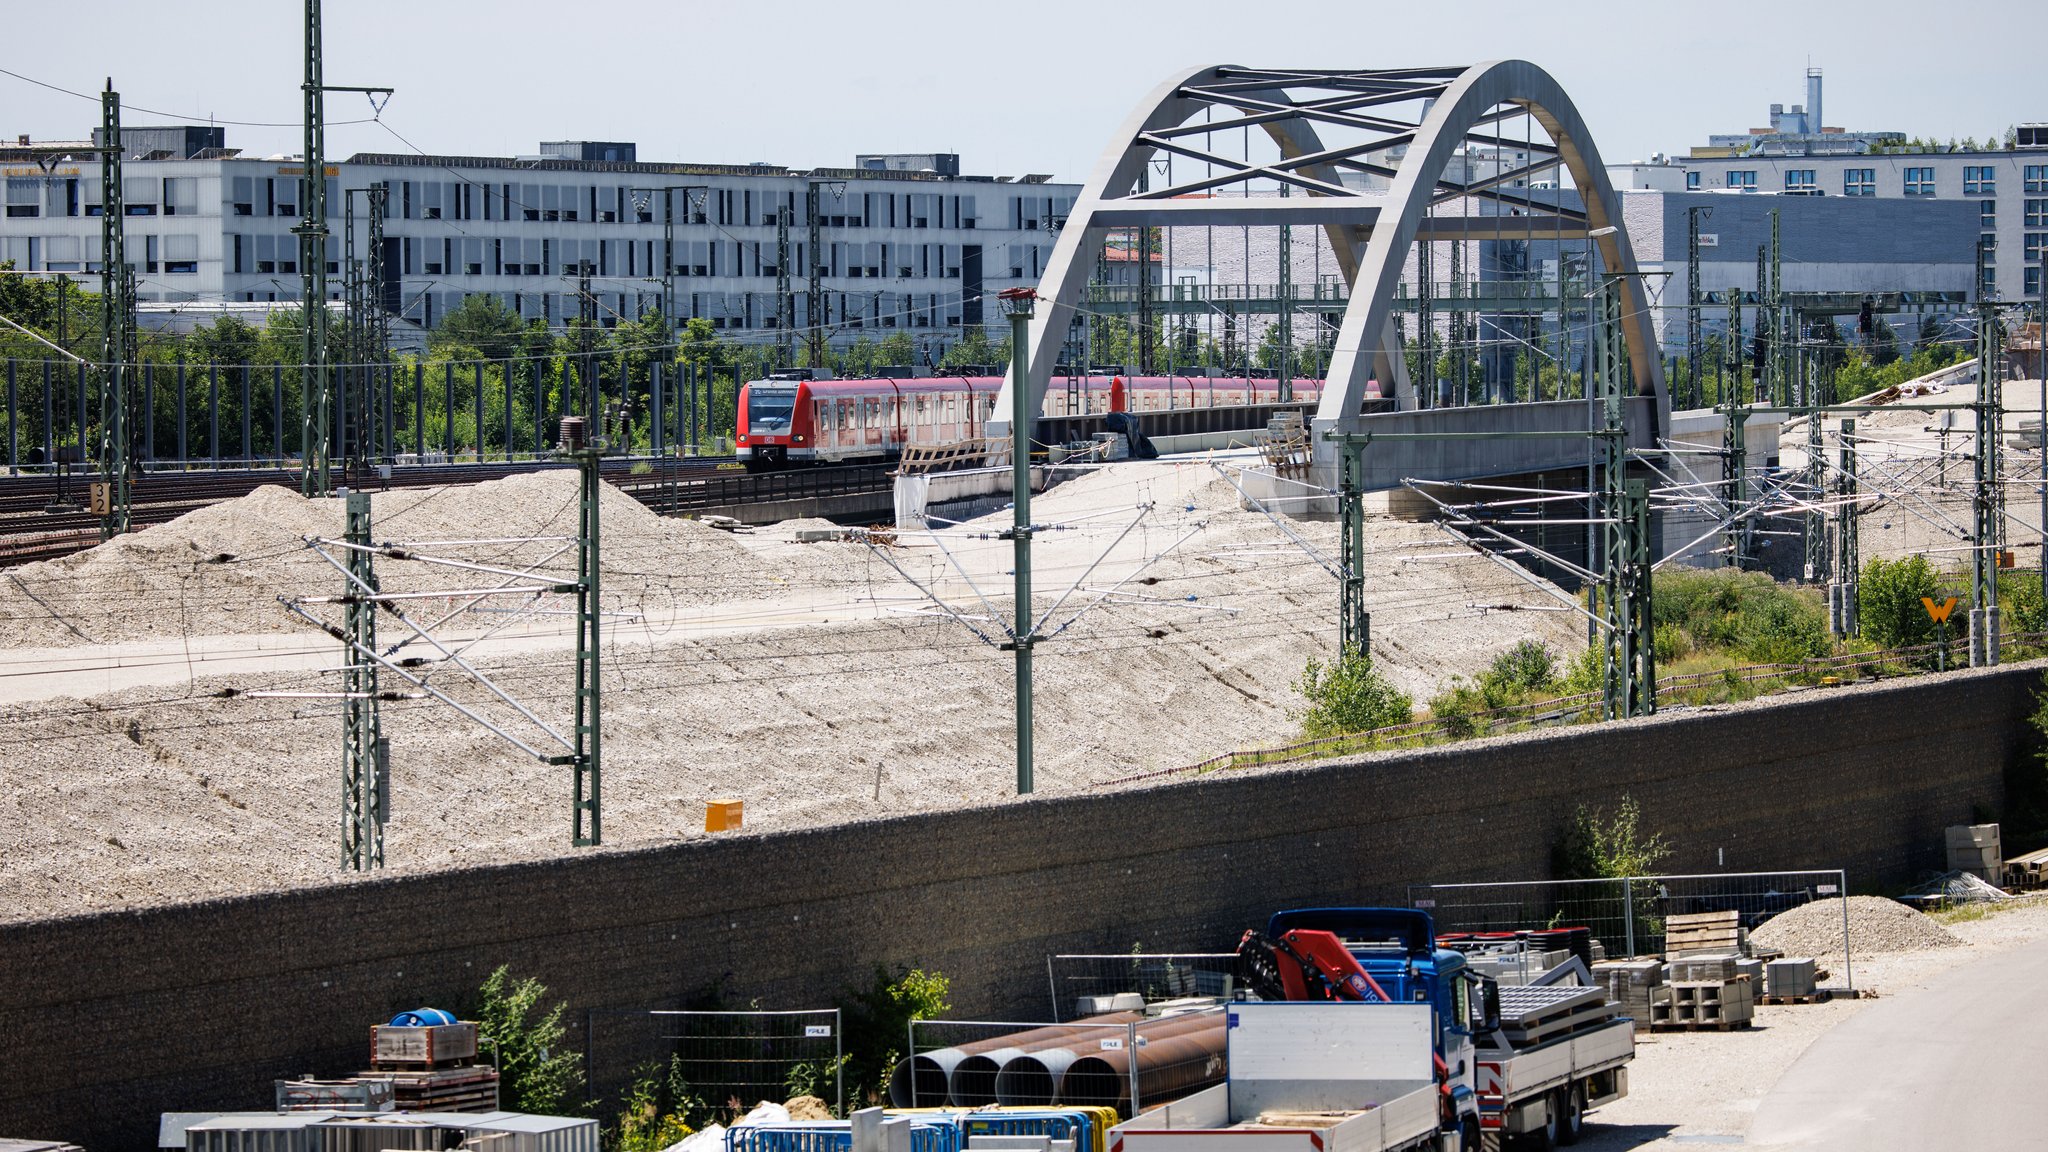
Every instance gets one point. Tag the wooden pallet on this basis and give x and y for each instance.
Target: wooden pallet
(1690, 932)
(1701, 1025)
(1820, 997)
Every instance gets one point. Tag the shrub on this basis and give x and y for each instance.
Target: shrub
(1527, 667)
(877, 1021)
(1587, 673)
(1746, 612)
(1671, 643)
(1458, 707)
(1595, 848)
(1349, 695)
(659, 1110)
(1888, 607)
(536, 1073)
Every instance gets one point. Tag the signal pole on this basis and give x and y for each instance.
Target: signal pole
(1018, 302)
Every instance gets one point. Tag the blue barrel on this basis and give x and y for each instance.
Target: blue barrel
(422, 1018)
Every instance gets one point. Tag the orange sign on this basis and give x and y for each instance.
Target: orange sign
(1938, 612)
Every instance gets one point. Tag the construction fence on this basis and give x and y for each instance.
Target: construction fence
(1627, 915)
(730, 1060)
(1154, 977)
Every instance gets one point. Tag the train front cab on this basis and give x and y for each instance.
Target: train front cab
(771, 425)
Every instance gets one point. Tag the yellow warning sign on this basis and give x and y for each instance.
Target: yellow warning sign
(1938, 612)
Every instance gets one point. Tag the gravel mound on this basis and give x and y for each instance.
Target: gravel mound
(807, 680)
(220, 569)
(1875, 925)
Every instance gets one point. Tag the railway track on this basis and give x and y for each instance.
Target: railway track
(30, 530)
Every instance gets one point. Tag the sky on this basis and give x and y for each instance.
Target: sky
(1035, 86)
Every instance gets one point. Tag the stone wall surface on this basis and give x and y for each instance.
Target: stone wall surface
(112, 1018)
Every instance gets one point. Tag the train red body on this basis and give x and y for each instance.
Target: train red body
(783, 423)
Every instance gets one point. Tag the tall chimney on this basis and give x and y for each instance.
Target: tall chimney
(1813, 120)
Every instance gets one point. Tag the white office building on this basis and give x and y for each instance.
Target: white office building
(900, 247)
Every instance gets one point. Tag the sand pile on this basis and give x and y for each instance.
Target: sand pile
(220, 569)
(1875, 925)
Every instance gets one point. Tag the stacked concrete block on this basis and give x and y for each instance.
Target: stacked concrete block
(1636, 985)
(1974, 848)
(1790, 978)
(1709, 1005)
(1705, 969)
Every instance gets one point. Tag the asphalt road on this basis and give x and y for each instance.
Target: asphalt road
(1950, 1064)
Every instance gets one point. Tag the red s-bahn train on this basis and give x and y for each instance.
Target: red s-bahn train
(785, 421)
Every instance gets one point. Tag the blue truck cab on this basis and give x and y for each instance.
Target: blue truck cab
(1397, 948)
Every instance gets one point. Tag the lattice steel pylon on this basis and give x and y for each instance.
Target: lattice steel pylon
(1843, 602)
(365, 756)
(1396, 128)
(1987, 505)
(1629, 659)
(587, 758)
(117, 323)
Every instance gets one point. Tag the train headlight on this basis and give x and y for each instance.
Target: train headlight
(799, 439)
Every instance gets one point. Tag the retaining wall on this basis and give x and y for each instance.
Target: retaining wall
(109, 1019)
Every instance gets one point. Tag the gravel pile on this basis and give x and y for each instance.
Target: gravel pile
(171, 791)
(1875, 925)
(220, 569)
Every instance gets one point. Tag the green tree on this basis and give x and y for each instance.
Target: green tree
(1888, 601)
(1349, 695)
(897, 349)
(483, 323)
(537, 1072)
(228, 340)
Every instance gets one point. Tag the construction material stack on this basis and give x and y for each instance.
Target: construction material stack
(430, 1058)
(1792, 980)
(1703, 934)
(1637, 987)
(1975, 848)
(1708, 993)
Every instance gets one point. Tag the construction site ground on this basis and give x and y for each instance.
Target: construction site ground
(1693, 1089)
(815, 682)
(1916, 479)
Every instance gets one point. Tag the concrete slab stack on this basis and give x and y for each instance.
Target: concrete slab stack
(1975, 848)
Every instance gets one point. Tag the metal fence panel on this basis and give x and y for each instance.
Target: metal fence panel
(1627, 915)
(731, 1059)
(749, 1056)
(1155, 976)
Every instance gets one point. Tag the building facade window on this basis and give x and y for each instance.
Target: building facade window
(1919, 181)
(2032, 245)
(1744, 179)
(1692, 181)
(2031, 277)
(1987, 213)
(1799, 180)
(1980, 180)
(2035, 213)
(1859, 182)
(2036, 178)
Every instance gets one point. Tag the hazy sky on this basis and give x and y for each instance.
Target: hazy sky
(1034, 86)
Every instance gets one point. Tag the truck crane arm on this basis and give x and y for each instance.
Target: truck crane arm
(1304, 964)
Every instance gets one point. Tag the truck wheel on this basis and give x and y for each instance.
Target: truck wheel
(1570, 1107)
(1470, 1138)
